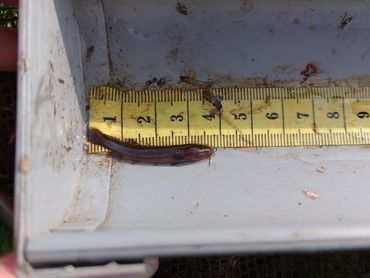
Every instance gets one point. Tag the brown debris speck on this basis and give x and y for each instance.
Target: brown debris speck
(345, 20)
(61, 81)
(89, 52)
(182, 9)
(162, 81)
(187, 79)
(159, 82)
(321, 169)
(190, 78)
(310, 69)
(310, 194)
(24, 166)
(246, 5)
(151, 81)
(118, 84)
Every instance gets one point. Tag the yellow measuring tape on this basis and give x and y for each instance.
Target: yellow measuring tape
(250, 117)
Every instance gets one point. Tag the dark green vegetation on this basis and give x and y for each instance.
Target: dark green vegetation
(8, 16)
(7, 146)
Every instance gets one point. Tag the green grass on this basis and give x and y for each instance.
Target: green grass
(6, 239)
(7, 128)
(8, 16)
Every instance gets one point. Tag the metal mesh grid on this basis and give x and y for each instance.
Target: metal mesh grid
(311, 265)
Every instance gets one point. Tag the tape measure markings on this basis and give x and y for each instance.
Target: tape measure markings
(251, 117)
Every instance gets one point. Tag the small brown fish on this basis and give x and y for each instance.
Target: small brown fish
(173, 155)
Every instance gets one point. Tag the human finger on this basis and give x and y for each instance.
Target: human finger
(7, 266)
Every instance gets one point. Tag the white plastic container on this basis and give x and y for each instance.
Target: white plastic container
(78, 209)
